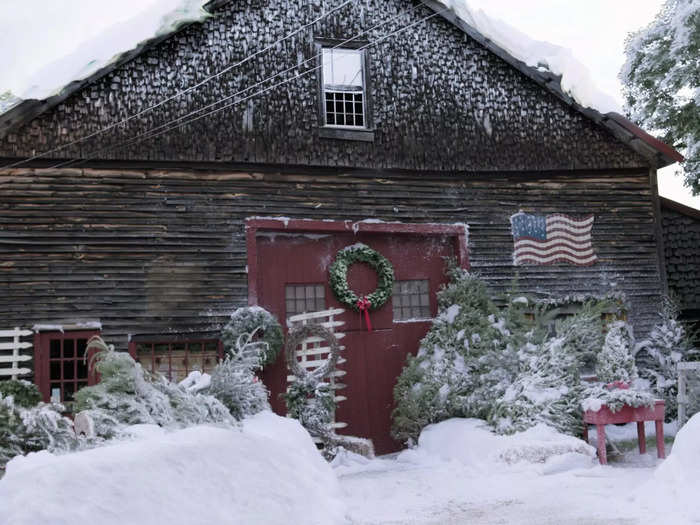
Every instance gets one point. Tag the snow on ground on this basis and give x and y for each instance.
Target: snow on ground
(461, 473)
(268, 472)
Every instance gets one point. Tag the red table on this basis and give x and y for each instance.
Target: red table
(626, 414)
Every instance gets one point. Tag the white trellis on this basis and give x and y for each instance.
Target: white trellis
(10, 346)
(311, 353)
(683, 400)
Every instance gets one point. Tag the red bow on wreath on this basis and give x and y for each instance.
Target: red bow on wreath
(363, 304)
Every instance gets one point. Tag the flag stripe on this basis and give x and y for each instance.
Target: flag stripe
(557, 257)
(569, 241)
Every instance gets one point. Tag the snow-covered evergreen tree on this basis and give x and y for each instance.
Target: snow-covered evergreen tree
(440, 381)
(128, 395)
(233, 381)
(662, 80)
(658, 356)
(616, 359)
(547, 388)
(28, 425)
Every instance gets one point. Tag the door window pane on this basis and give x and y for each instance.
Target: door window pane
(411, 300)
(302, 298)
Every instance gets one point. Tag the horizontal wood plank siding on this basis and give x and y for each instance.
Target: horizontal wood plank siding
(150, 251)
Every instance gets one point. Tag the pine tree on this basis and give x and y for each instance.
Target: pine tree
(443, 380)
(658, 356)
(661, 79)
(616, 360)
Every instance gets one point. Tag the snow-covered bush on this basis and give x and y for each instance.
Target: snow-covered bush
(616, 360)
(311, 402)
(261, 329)
(658, 356)
(24, 393)
(25, 428)
(128, 395)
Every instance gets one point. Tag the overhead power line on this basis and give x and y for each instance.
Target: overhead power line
(147, 135)
(238, 93)
(180, 93)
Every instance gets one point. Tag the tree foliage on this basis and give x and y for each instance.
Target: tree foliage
(661, 80)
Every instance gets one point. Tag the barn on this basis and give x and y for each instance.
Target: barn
(228, 163)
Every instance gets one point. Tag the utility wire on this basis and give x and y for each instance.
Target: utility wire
(257, 84)
(141, 137)
(180, 93)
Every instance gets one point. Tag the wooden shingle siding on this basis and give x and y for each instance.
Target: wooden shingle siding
(149, 251)
(440, 100)
(681, 230)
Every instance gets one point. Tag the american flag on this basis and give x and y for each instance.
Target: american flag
(552, 239)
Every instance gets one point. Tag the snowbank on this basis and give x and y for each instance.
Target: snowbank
(673, 492)
(269, 472)
(576, 79)
(471, 443)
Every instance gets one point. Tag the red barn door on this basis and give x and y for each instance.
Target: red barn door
(292, 276)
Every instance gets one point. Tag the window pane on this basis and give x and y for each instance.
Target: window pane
(55, 349)
(68, 348)
(411, 300)
(82, 344)
(342, 67)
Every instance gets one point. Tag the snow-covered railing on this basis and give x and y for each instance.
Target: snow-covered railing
(683, 400)
(311, 353)
(10, 352)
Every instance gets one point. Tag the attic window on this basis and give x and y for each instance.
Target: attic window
(343, 88)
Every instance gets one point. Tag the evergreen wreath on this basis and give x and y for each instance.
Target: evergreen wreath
(339, 276)
(260, 328)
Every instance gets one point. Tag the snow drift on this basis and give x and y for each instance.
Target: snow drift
(268, 472)
(673, 492)
(471, 443)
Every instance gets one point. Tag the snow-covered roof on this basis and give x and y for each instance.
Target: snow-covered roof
(552, 67)
(557, 70)
(575, 78)
(97, 57)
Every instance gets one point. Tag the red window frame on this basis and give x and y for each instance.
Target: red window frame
(170, 343)
(44, 361)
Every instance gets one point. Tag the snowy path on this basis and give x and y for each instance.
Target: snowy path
(388, 492)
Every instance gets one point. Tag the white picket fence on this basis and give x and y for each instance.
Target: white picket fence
(311, 352)
(683, 400)
(10, 352)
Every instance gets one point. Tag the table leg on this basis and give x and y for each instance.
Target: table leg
(602, 455)
(641, 437)
(585, 432)
(660, 449)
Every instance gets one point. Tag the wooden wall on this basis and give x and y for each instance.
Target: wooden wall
(681, 231)
(154, 251)
(440, 100)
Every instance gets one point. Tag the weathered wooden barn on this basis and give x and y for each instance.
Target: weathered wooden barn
(154, 230)
(681, 233)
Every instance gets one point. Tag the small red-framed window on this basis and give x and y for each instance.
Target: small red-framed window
(176, 359)
(62, 364)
